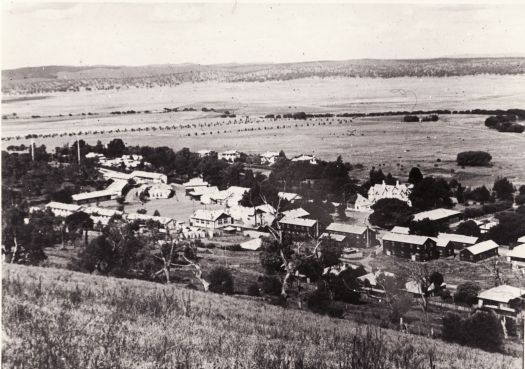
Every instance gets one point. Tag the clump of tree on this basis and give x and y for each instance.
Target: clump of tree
(221, 281)
(468, 228)
(426, 227)
(473, 158)
(482, 330)
(431, 193)
(390, 212)
(410, 118)
(504, 123)
(467, 293)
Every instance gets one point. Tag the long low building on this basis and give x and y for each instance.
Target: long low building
(415, 248)
(439, 215)
(517, 256)
(503, 299)
(356, 236)
(61, 209)
(479, 251)
(459, 241)
(299, 227)
(210, 219)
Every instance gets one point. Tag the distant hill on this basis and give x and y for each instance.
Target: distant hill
(70, 78)
(63, 319)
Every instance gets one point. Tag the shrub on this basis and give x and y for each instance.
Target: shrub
(452, 330)
(473, 158)
(467, 293)
(271, 285)
(253, 290)
(483, 330)
(221, 281)
(445, 294)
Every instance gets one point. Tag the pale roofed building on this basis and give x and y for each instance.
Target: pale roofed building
(112, 174)
(194, 183)
(521, 239)
(501, 298)
(203, 194)
(305, 158)
(210, 219)
(250, 217)
(229, 155)
(400, 230)
(362, 203)
(148, 177)
(101, 215)
(160, 191)
(269, 157)
(165, 222)
(204, 153)
(290, 196)
(94, 196)
(517, 256)
(296, 213)
(384, 191)
(438, 215)
(62, 210)
(252, 245)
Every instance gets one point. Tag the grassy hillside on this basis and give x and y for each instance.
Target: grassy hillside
(60, 319)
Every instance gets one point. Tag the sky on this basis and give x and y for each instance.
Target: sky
(43, 33)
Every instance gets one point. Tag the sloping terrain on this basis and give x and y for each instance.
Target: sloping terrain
(60, 319)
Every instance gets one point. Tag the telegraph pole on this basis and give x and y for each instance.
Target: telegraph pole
(78, 151)
(33, 149)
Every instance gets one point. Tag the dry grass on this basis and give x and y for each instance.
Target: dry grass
(59, 319)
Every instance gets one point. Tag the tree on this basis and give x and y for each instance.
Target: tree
(473, 158)
(503, 188)
(341, 212)
(221, 281)
(395, 296)
(116, 148)
(483, 330)
(78, 222)
(389, 213)
(478, 194)
(467, 293)
(426, 227)
(431, 193)
(415, 176)
(156, 213)
(468, 228)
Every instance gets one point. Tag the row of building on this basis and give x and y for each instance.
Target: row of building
(267, 158)
(125, 161)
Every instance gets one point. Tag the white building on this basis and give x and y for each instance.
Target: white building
(140, 176)
(362, 204)
(204, 153)
(438, 215)
(229, 155)
(210, 219)
(62, 210)
(517, 256)
(269, 157)
(384, 191)
(101, 215)
(194, 183)
(305, 158)
(500, 298)
(400, 230)
(165, 222)
(160, 191)
(290, 196)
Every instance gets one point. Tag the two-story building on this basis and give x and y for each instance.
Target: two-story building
(299, 227)
(269, 158)
(356, 236)
(229, 155)
(415, 248)
(458, 241)
(210, 219)
(479, 251)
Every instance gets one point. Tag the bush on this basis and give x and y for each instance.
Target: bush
(253, 290)
(221, 281)
(445, 294)
(467, 293)
(320, 302)
(410, 118)
(482, 329)
(271, 285)
(473, 158)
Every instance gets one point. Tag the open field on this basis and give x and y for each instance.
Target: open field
(68, 319)
(307, 94)
(383, 142)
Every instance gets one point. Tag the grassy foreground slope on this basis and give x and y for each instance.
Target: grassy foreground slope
(60, 319)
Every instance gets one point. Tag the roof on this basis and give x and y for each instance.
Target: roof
(229, 152)
(63, 206)
(153, 175)
(406, 238)
(137, 216)
(92, 210)
(372, 277)
(482, 247)
(270, 154)
(458, 238)
(518, 252)
(289, 196)
(266, 208)
(92, 195)
(197, 181)
(401, 230)
(440, 242)
(521, 239)
(335, 237)
(503, 293)
(299, 221)
(254, 244)
(296, 213)
(114, 174)
(436, 214)
(208, 214)
(346, 228)
(204, 191)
